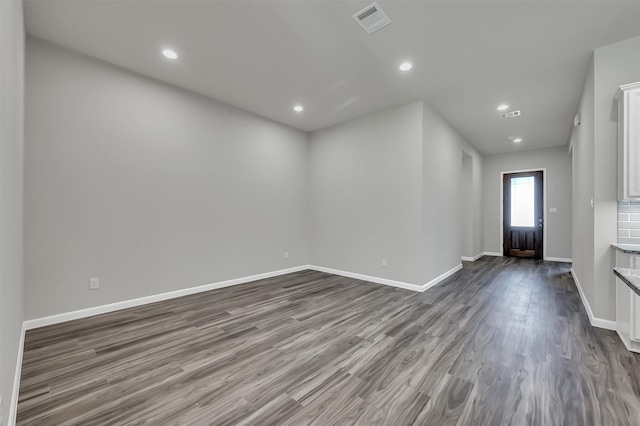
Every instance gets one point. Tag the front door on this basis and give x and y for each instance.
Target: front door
(523, 214)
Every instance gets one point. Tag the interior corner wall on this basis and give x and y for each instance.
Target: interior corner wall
(11, 169)
(582, 236)
(478, 203)
(614, 65)
(442, 203)
(388, 186)
(557, 163)
(467, 208)
(149, 187)
(365, 188)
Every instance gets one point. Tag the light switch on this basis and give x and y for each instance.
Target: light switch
(553, 210)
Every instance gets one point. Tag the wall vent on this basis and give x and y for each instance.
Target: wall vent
(510, 114)
(372, 18)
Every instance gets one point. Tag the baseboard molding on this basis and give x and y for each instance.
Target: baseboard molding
(492, 253)
(103, 309)
(472, 259)
(385, 281)
(440, 278)
(559, 259)
(377, 280)
(13, 402)
(596, 322)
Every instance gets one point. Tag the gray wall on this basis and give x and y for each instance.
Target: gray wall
(581, 142)
(558, 184)
(615, 65)
(467, 208)
(149, 187)
(11, 168)
(365, 188)
(389, 186)
(594, 145)
(442, 201)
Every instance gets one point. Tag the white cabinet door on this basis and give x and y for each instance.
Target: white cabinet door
(633, 143)
(623, 312)
(635, 316)
(628, 98)
(635, 304)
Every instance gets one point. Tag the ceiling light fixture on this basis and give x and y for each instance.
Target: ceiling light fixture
(405, 66)
(168, 53)
(298, 108)
(503, 107)
(516, 140)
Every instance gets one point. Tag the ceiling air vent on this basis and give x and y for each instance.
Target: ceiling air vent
(510, 114)
(372, 18)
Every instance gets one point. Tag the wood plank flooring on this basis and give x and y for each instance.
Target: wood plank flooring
(502, 342)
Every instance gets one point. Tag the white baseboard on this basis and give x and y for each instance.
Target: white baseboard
(13, 402)
(472, 259)
(440, 278)
(83, 313)
(385, 281)
(492, 253)
(377, 280)
(97, 310)
(596, 322)
(559, 259)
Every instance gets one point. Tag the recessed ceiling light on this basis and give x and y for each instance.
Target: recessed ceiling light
(503, 107)
(516, 140)
(405, 66)
(168, 53)
(298, 108)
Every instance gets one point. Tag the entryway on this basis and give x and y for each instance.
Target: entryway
(523, 214)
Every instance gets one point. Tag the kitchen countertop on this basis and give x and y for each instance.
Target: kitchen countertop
(631, 277)
(627, 248)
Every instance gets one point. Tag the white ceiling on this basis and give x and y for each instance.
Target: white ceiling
(265, 56)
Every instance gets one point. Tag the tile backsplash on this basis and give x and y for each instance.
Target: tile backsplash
(629, 222)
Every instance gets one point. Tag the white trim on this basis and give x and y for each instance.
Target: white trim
(83, 313)
(385, 281)
(97, 310)
(558, 259)
(492, 253)
(440, 278)
(603, 323)
(13, 402)
(596, 322)
(369, 278)
(472, 259)
(544, 205)
(625, 343)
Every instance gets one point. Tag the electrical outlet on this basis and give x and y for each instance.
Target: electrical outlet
(94, 284)
(384, 263)
(286, 254)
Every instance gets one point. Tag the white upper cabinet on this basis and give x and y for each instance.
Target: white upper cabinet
(628, 97)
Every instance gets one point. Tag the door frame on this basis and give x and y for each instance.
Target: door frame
(544, 207)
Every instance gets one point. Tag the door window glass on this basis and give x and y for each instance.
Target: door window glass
(522, 201)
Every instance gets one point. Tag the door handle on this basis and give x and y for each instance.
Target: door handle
(540, 224)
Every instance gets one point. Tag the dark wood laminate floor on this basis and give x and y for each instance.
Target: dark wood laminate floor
(502, 342)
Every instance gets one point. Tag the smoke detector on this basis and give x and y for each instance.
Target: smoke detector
(511, 114)
(372, 18)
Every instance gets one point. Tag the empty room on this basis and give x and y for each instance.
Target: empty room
(336, 212)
